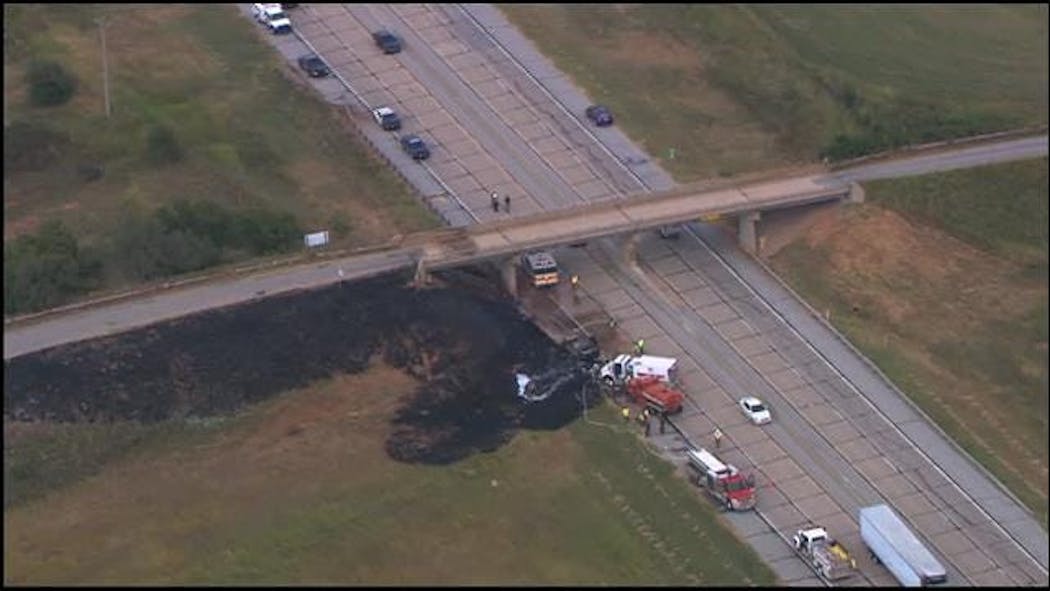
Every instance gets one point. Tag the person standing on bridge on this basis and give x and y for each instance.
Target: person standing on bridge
(495, 201)
(718, 438)
(506, 203)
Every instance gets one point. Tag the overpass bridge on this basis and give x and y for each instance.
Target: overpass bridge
(457, 246)
(427, 250)
(506, 238)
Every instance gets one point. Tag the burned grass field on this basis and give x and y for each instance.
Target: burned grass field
(464, 349)
(339, 446)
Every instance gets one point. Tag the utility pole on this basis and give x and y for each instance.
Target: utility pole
(101, 21)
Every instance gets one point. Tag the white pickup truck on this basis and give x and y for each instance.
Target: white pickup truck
(272, 17)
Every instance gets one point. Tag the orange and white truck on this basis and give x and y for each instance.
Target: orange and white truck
(653, 392)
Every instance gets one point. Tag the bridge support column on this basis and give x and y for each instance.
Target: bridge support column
(748, 232)
(422, 277)
(509, 270)
(856, 193)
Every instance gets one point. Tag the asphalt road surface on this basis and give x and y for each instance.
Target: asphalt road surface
(500, 117)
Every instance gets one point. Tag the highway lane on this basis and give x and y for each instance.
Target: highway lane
(554, 190)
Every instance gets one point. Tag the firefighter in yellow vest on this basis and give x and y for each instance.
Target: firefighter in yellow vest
(626, 413)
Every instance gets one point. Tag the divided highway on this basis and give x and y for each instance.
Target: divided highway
(499, 117)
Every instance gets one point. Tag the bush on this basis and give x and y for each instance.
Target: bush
(162, 147)
(193, 235)
(886, 126)
(144, 248)
(49, 84)
(31, 146)
(265, 232)
(46, 269)
(199, 217)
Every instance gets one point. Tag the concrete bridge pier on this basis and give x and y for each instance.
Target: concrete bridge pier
(421, 277)
(748, 232)
(509, 269)
(856, 193)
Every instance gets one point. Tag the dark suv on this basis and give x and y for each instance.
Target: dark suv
(387, 41)
(414, 146)
(314, 66)
(599, 115)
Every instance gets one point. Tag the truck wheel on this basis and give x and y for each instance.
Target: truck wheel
(609, 381)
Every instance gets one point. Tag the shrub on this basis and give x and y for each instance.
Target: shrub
(264, 232)
(199, 217)
(162, 147)
(192, 235)
(49, 84)
(890, 125)
(31, 146)
(46, 269)
(145, 249)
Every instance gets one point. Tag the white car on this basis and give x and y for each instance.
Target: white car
(273, 17)
(755, 411)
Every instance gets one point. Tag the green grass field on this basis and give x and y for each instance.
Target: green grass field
(300, 490)
(949, 275)
(250, 133)
(743, 88)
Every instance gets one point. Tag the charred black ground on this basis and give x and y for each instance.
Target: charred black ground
(464, 347)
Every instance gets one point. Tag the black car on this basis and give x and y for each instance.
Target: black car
(583, 348)
(599, 115)
(387, 41)
(414, 146)
(314, 66)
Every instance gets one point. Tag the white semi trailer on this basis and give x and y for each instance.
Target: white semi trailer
(896, 547)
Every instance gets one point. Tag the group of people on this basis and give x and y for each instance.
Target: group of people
(647, 413)
(495, 202)
(643, 418)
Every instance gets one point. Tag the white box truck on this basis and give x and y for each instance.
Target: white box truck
(625, 367)
(896, 547)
